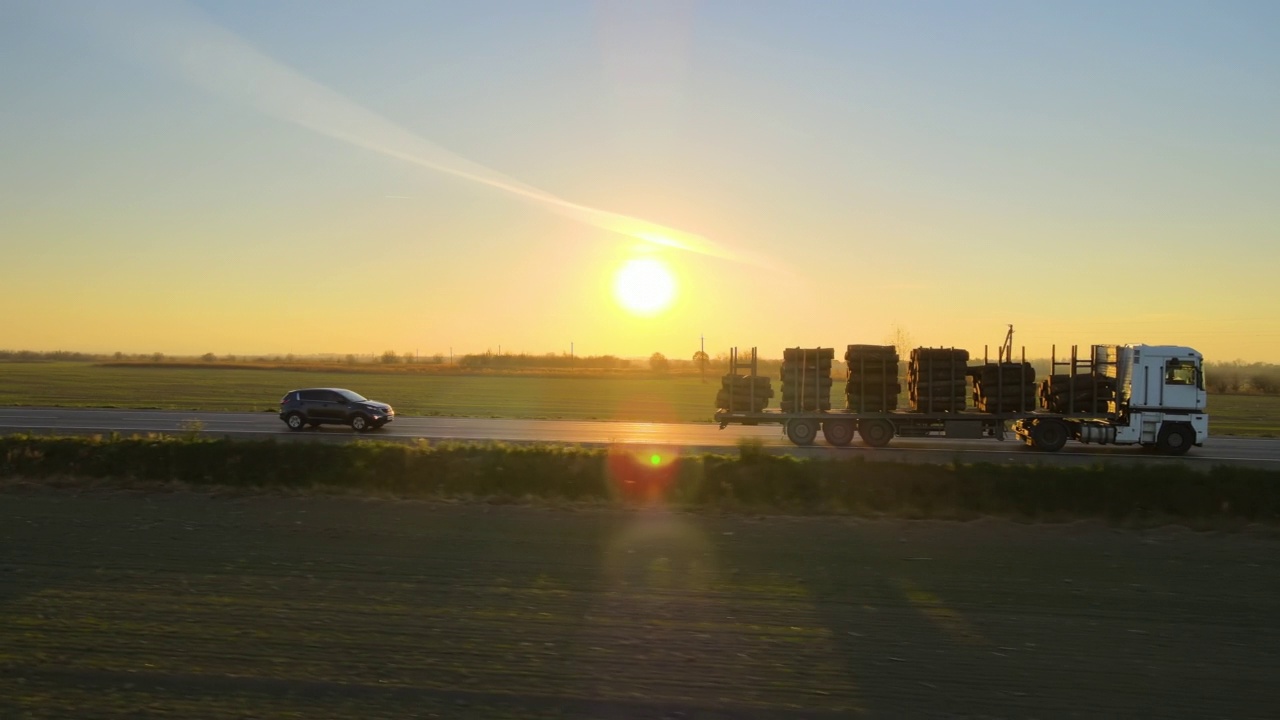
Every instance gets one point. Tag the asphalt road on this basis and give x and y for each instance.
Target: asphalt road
(691, 437)
(162, 605)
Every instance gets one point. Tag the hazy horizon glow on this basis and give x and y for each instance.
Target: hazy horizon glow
(248, 177)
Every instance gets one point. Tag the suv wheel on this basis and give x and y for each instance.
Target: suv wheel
(359, 423)
(295, 421)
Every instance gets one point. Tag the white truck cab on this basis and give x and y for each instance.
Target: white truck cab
(1162, 377)
(1160, 399)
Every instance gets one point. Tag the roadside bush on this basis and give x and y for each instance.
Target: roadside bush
(754, 481)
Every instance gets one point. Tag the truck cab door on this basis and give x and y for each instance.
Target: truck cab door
(1183, 386)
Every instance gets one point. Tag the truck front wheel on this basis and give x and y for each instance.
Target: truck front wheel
(1175, 440)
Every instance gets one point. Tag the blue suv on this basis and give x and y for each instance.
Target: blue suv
(333, 406)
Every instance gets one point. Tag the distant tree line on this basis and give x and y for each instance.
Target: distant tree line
(34, 356)
(1238, 377)
(525, 361)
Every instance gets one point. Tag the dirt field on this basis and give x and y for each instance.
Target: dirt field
(136, 605)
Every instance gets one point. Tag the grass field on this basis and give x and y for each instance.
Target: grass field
(1246, 415)
(627, 396)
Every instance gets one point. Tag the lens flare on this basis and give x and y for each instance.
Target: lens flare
(642, 476)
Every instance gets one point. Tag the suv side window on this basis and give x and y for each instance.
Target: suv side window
(311, 395)
(334, 397)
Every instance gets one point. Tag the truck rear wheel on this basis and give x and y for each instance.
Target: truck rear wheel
(1049, 435)
(838, 432)
(1175, 440)
(876, 433)
(802, 432)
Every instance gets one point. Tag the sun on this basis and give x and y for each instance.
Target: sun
(644, 286)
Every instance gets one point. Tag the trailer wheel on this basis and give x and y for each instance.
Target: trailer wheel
(1175, 440)
(876, 433)
(802, 432)
(838, 432)
(1049, 435)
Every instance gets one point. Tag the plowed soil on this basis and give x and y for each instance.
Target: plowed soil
(143, 605)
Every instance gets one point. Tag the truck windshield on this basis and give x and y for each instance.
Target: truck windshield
(1181, 373)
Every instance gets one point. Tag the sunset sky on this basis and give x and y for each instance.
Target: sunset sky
(350, 177)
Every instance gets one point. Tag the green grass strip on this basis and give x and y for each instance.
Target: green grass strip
(751, 481)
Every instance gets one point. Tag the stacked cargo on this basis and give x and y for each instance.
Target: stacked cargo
(806, 379)
(1004, 387)
(1090, 385)
(743, 393)
(872, 384)
(937, 379)
(1107, 364)
(1090, 393)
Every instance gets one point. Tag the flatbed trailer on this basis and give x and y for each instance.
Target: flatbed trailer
(1159, 403)
(1041, 430)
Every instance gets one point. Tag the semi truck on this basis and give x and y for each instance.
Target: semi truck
(1155, 398)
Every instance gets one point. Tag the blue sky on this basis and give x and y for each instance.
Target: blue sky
(1091, 172)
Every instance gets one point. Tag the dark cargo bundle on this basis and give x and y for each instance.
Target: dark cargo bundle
(808, 355)
(937, 379)
(870, 353)
(1091, 393)
(806, 379)
(801, 374)
(743, 393)
(872, 382)
(1004, 387)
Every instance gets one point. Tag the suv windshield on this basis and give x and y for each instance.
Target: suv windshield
(353, 397)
